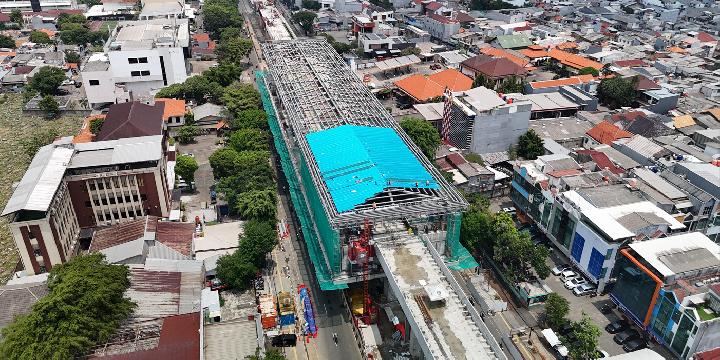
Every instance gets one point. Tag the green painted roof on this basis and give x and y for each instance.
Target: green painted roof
(513, 41)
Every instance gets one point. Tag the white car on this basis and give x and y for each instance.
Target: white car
(560, 268)
(575, 282)
(567, 275)
(584, 289)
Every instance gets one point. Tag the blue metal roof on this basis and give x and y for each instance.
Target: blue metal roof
(358, 162)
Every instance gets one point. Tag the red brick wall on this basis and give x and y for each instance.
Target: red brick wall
(43, 249)
(60, 248)
(25, 232)
(149, 189)
(79, 196)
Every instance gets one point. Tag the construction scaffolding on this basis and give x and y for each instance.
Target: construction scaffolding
(308, 91)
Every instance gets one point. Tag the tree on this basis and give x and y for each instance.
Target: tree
(199, 89)
(7, 42)
(47, 80)
(222, 162)
(556, 309)
(49, 106)
(39, 37)
(185, 166)
(234, 50)
(96, 125)
(16, 16)
(412, 50)
(270, 354)
(423, 134)
(224, 74)
(174, 91)
(511, 85)
(38, 140)
(85, 306)
(218, 16)
(72, 57)
(481, 80)
(586, 334)
(64, 19)
(189, 118)
(306, 20)
(589, 71)
(530, 145)
(235, 271)
(187, 133)
(490, 5)
(474, 158)
(250, 119)
(78, 34)
(476, 230)
(616, 92)
(311, 5)
(249, 139)
(241, 97)
(258, 239)
(230, 33)
(256, 204)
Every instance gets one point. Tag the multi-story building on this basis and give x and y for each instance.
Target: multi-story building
(587, 216)
(482, 122)
(37, 5)
(670, 287)
(139, 58)
(74, 185)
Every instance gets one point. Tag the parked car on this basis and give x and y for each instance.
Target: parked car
(616, 326)
(625, 336)
(584, 289)
(216, 284)
(566, 329)
(567, 275)
(634, 345)
(403, 105)
(607, 308)
(560, 268)
(574, 282)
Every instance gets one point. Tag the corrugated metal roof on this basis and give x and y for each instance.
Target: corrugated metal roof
(114, 152)
(659, 184)
(162, 251)
(357, 162)
(121, 253)
(642, 145)
(41, 180)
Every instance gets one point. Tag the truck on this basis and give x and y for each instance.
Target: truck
(268, 311)
(286, 305)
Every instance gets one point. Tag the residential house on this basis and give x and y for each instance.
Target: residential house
(495, 70)
(421, 88)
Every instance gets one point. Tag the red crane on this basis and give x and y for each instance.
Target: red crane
(361, 252)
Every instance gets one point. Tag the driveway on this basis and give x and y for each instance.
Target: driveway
(198, 202)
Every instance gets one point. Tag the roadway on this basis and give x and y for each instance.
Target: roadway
(290, 262)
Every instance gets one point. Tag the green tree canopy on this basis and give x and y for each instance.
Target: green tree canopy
(306, 20)
(230, 33)
(241, 172)
(47, 80)
(556, 309)
(222, 161)
(199, 89)
(616, 92)
(481, 80)
(224, 74)
(49, 106)
(311, 5)
(96, 125)
(234, 50)
(530, 145)
(249, 139)
(174, 91)
(250, 119)
(423, 134)
(257, 204)
(586, 339)
(490, 5)
(78, 34)
(271, 354)
(218, 16)
(589, 71)
(7, 42)
(72, 57)
(16, 16)
(39, 37)
(511, 85)
(238, 269)
(84, 307)
(185, 166)
(241, 97)
(64, 19)
(187, 133)
(37, 140)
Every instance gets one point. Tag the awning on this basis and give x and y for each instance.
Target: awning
(551, 338)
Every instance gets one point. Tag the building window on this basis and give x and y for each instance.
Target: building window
(135, 198)
(127, 198)
(134, 73)
(706, 210)
(143, 197)
(112, 201)
(42, 269)
(94, 82)
(37, 253)
(145, 73)
(132, 60)
(91, 186)
(104, 201)
(31, 235)
(88, 204)
(142, 60)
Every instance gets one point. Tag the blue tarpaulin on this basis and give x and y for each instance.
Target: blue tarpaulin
(308, 311)
(358, 162)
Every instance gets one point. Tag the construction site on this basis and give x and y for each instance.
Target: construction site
(379, 220)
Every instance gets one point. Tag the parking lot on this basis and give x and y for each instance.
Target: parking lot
(580, 305)
(198, 202)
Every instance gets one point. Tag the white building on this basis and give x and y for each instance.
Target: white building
(140, 58)
(7, 6)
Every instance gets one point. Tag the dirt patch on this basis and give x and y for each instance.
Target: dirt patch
(407, 266)
(438, 315)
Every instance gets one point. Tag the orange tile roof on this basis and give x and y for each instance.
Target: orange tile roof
(715, 112)
(574, 61)
(533, 53)
(677, 50)
(173, 107)
(683, 121)
(495, 52)
(567, 45)
(452, 79)
(7, 53)
(85, 136)
(49, 32)
(423, 88)
(606, 133)
(573, 80)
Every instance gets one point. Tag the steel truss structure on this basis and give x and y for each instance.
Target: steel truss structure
(318, 91)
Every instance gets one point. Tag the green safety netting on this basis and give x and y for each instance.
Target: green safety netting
(325, 265)
(459, 258)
